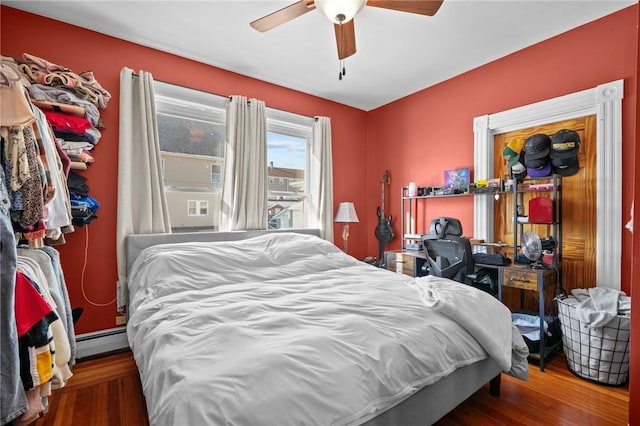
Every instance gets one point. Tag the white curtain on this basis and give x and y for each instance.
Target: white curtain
(244, 188)
(321, 184)
(142, 207)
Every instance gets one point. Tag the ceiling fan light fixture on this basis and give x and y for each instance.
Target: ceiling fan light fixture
(340, 11)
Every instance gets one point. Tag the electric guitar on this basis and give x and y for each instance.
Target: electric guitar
(383, 232)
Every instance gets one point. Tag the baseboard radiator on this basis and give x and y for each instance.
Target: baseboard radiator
(101, 342)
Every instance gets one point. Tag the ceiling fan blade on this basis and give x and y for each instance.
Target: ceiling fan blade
(422, 7)
(283, 15)
(345, 39)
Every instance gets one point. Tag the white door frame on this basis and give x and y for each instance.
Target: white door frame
(604, 101)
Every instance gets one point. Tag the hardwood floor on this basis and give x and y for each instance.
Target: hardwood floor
(107, 391)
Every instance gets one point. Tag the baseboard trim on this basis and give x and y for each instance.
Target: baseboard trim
(101, 342)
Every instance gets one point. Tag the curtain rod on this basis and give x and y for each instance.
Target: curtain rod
(135, 74)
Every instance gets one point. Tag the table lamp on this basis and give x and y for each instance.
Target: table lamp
(346, 214)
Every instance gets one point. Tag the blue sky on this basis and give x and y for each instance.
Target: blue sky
(286, 151)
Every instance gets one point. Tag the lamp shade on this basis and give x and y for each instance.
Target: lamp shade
(338, 11)
(346, 213)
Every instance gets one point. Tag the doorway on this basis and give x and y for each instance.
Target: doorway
(605, 103)
(578, 202)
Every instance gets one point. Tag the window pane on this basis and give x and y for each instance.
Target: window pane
(191, 129)
(287, 158)
(216, 173)
(204, 208)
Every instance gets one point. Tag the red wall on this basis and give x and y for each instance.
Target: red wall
(418, 137)
(81, 50)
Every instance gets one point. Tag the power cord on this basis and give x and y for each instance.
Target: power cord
(84, 267)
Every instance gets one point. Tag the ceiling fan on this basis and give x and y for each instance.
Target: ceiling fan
(341, 13)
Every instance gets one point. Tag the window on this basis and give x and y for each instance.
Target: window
(216, 173)
(288, 141)
(198, 208)
(191, 129)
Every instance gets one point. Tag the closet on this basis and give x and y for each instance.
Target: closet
(49, 124)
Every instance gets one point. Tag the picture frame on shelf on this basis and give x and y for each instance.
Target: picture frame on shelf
(457, 180)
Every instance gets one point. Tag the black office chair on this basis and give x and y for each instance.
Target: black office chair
(449, 255)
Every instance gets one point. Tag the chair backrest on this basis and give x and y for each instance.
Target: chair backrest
(448, 254)
(444, 226)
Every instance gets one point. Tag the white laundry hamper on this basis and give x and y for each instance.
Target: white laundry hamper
(599, 355)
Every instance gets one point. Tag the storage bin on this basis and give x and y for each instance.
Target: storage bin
(600, 355)
(540, 210)
(529, 328)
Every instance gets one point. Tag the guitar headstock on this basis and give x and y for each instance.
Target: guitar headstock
(385, 177)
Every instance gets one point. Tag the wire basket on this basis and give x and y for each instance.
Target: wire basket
(599, 355)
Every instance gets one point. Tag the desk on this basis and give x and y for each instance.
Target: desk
(408, 262)
(525, 278)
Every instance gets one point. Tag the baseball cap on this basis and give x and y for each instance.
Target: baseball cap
(565, 166)
(512, 151)
(540, 171)
(535, 163)
(519, 171)
(535, 147)
(564, 144)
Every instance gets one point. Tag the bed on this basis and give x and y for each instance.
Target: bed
(283, 328)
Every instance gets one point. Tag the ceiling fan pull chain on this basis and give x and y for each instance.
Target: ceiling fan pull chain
(343, 69)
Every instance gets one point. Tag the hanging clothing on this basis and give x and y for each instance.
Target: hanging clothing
(13, 400)
(54, 256)
(36, 274)
(58, 293)
(58, 209)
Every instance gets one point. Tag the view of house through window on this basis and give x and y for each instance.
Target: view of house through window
(191, 129)
(287, 158)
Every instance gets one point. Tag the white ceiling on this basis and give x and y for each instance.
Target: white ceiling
(397, 53)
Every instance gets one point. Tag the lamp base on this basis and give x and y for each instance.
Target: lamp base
(345, 237)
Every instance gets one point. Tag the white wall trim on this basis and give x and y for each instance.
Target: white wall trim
(99, 342)
(605, 101)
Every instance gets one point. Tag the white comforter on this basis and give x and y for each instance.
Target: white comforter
(282, 329)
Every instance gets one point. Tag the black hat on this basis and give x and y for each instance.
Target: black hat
(535, 147)
(565, 144)
(535, 163)
(565, 166)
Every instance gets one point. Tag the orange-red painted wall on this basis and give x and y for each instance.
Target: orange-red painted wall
(418, 137)
(81, 50)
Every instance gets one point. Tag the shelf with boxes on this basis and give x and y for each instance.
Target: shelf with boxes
(412, 197)
(410, 258)
(537, 207)
(537, 248)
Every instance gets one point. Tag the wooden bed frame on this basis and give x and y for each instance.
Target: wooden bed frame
(424, 407)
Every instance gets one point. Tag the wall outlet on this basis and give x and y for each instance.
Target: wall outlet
(121, 320)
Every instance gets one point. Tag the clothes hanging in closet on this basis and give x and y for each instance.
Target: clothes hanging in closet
(36, 327)
(13, 399)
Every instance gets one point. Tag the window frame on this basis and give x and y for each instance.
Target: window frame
(298, 126)
(213, 108)
(218, 174)
(198, 204)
